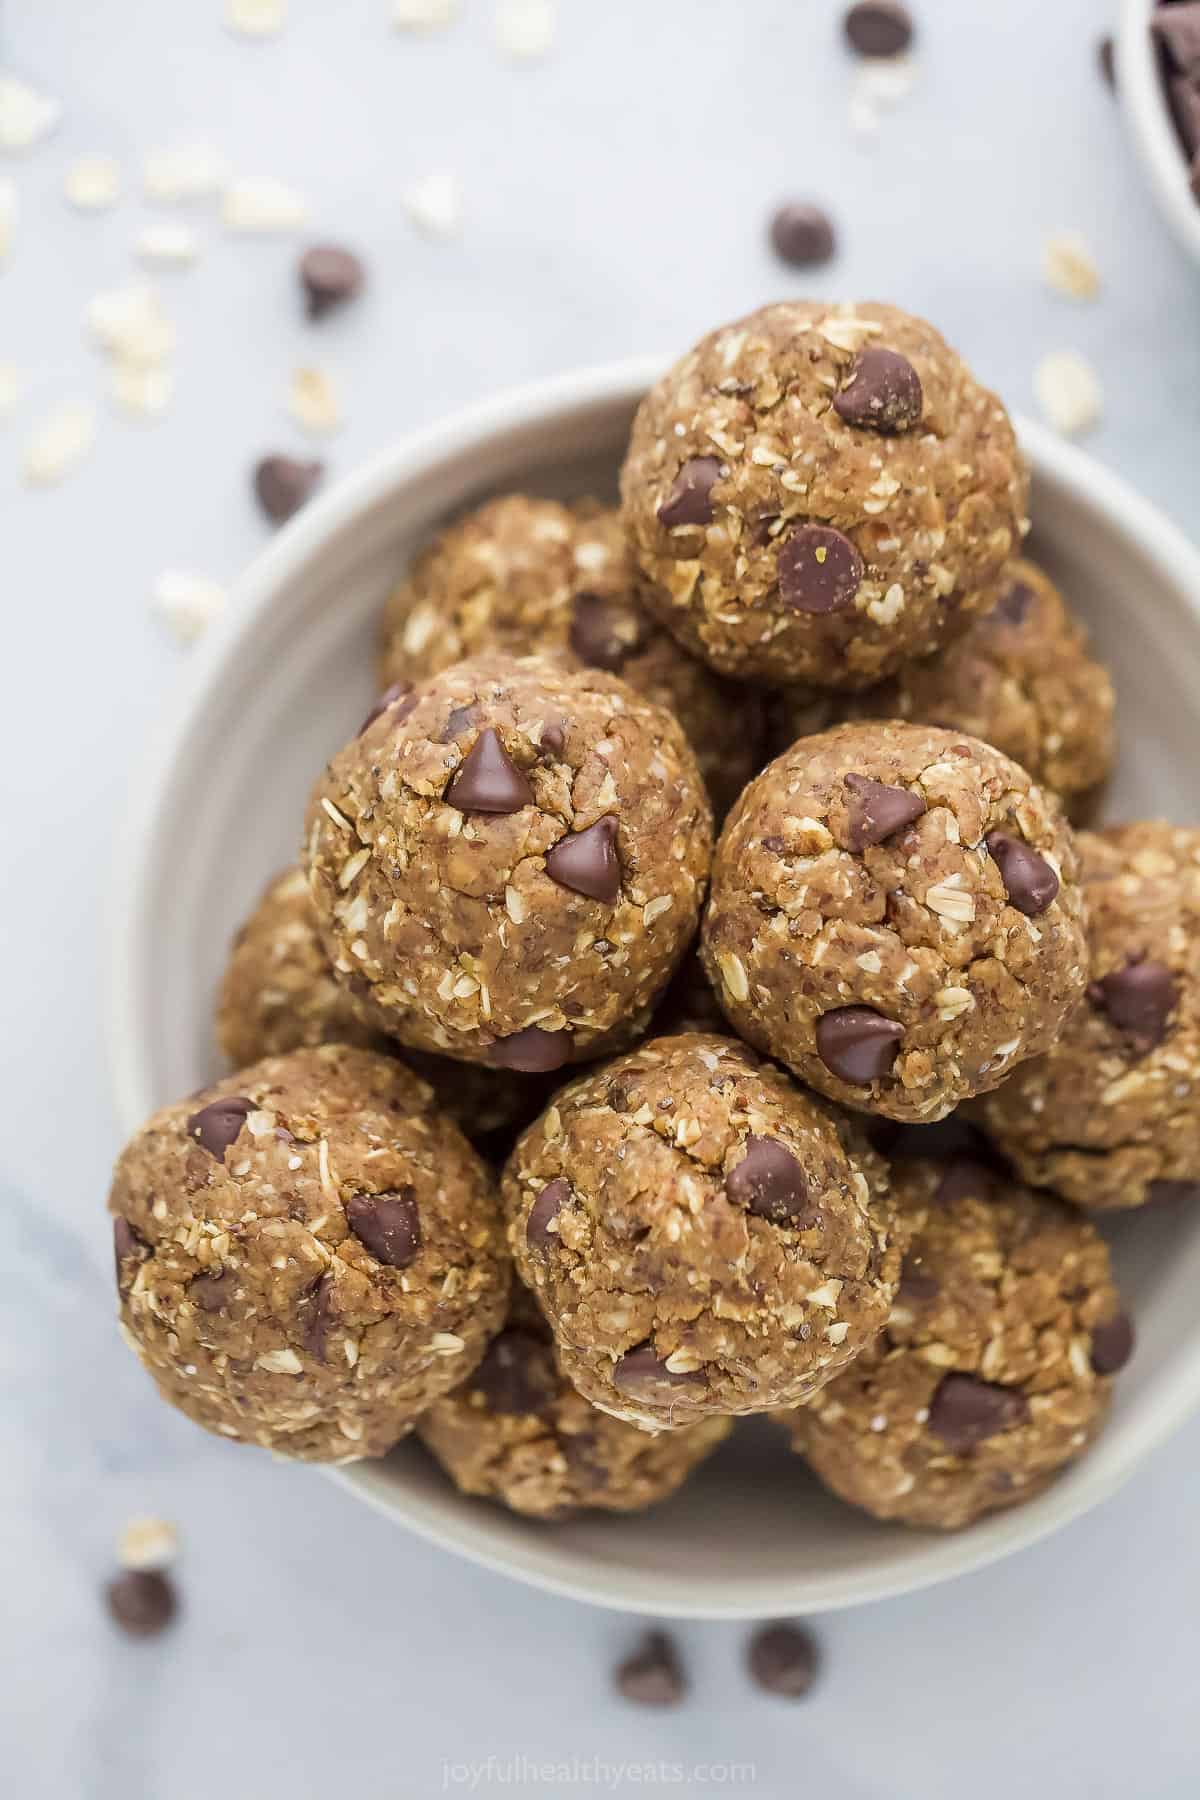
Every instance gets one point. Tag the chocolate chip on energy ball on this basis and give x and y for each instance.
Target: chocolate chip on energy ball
(643, 1373)
(388, 1225)
(783, 1659)
(127, 1242)
(883, 392)
(653, 1675)
(877, 811)
(283, 483)
(769, 1182)
(857, 1044)
(879, 28)
(532, 1051)
(965, 1411)
(317, 1314)
(802, 236)
(217, 1125)
(330, 276)
(965, 1178)
(142, 1602)
(210, 1292)
(594, 634)
(389, 697)
(1139, 999)
(1029, 881)
(544, 1209)
(1112, 1344)
(690, 499)
(1012, 608)
(488, 780)
(517, 1374)
(819, 570)
(587, 861)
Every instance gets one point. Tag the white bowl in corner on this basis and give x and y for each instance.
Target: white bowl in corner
(285, 678)
(1143, 100)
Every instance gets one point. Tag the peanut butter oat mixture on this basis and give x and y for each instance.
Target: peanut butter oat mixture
(819, 494)
(895, 915)
(1109, 1117)
(308, 1253)
(509, 862)
(533, 577)
(704, 1237)
(993, 1371)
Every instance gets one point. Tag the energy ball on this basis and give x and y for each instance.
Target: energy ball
(704, 1237)
(508, 863)
(516, 1431)
(533, 577)
(895, 915)
(993, 1371)
(1109, 1117)
(1020, 678)
(819, 494)
(308, 1253)
(279, 994)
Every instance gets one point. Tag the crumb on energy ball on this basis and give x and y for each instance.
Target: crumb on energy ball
(1020, 678)
(1109, 1117)
(308, 1254)
(509, 862)
(516, 1431)
(819, 494)
(895, 916)
(703, 1237)
(993, 1371)
(530, 577)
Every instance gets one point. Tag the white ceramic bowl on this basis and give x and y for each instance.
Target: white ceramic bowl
(217, 808)
(1143, 100)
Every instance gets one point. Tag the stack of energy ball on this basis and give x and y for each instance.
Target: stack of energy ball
(565, 1138)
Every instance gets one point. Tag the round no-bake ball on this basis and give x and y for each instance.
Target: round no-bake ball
(703, 1237)
(1110, 1116)
(895, 915)
(993, 1371)
(820, 494)
(308, 1253)
(528, 576)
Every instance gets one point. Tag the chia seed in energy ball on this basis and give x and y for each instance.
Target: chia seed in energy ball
(308, 1253)
(704, 1237)
(993, 1371)
(508, 863)
(1109, 1117)
(895, 915)
(819, 494)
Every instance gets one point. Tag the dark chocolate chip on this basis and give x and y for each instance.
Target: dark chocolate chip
(819, 570)
(1012, 608)
(517, 1374)
(1139, 999)
(399, 690)
(879, 27)
(1029, 881)
(965, 1411)
(283, 483)
(488, 780)
(653, 1675)
(876, 812)
(388, 1225)
(317, 1315)
(917, 1285)
(1112, 1344)
(587, 861)
(802, 236)
(142, 1602)
(1106, 56)
(644, 1375)
(690, 499)
(964, 1178)
(600, 634)
(553, 740)
(210, 1292)
(127, 1242)
(554, 1195)
(783, 1659)
(883, 393)
(1178, 28)
(857, 1044)
(769, 1182)
(1184, 94)
(457, 721)
(216, 1125)
(330, 276)
(532, 1051)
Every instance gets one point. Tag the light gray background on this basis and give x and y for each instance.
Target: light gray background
(615, 199)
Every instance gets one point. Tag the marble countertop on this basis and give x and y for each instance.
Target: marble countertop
(614, 201)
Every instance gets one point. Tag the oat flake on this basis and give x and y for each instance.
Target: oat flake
(181, 172)
(434, 205)
(169, 244)
(423, 15)
(188, 603)
(1067, 389)
(313, 401)
(525, 28)
(59, 443)
(26, 116)
(256, 18)
(93, 183)
(262, 205)
(1069, 267)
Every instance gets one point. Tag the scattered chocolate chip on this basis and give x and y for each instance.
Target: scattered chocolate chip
(1107, 58)
(802, 236)
(1012, 608)
(517, 1374)
(127, 1242)
(587, 861)
(555, 1194)
(599, 632)
(388, 1225)
(209, 1292)
(965, 1411)
(644, 1375)
(857, 1044)
(653, 1675)
(217, 1125)
(917, 1285)
(783, 1659)
(532, 1051)
(317, 1315)
(1029, 881)
(142, 1601)
(1112, 1344)
(330, 276)
(690, 499)
(488, 780)
(964, 1178)
(398, 691)
(1139, 999)
(819, 570)
(1178, 29)
(879, 28)
(283, 483)
(876, 812)
(769, 1182)
(883, 393)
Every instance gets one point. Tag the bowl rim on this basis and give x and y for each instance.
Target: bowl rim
(485, 1540)
(1143, 102)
